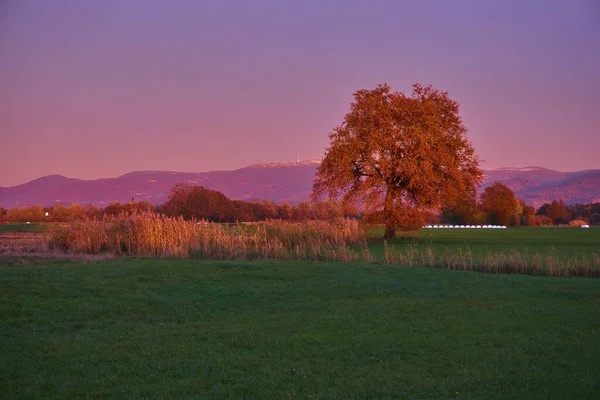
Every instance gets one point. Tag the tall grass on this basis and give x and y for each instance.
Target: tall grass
(151, 235)
(512, 262)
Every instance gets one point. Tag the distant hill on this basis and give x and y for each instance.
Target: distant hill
(291, 182)
(538, 185)
(278, 182)
(532, 174)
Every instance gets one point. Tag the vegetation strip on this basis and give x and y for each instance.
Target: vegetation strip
(152, 235)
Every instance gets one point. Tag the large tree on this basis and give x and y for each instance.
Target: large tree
(399, 155)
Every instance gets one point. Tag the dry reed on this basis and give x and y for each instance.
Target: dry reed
(152, 235)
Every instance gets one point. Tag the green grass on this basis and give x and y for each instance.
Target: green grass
(189, 329)
(563, 242)
(23, 227)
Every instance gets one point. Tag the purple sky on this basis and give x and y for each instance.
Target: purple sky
(93, 89)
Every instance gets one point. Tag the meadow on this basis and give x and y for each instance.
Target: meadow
(23, 227)
(519, 250)
(565, 241)
(321, 330)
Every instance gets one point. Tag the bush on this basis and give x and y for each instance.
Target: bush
(577, 222)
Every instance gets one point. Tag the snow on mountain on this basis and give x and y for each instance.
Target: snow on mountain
(285, 164)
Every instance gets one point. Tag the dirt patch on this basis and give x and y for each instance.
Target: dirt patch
(23, 242)
(22, 248)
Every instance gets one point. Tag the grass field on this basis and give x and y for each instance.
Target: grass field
(23, 227)
(199, 329)
(564, 242)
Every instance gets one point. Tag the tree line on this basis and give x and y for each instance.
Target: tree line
(189, 202)
(200, 203)
(497, 205)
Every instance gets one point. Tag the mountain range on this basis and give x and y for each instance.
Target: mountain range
(291, 182)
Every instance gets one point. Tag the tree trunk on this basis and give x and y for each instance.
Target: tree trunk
(390, 231)
(388, 212)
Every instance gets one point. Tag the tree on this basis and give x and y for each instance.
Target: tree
(304, 211)
(197, 202)
(59, 213)
(399, 155)
(515, 220)
(558, 212)
(328, 209)
(463, 211)
(176, 205)
(269, 210)
(76, 212)
(529, 216)
(285, 211)
(499, 203)
(92, 211)
(543, 210)
(113, 208)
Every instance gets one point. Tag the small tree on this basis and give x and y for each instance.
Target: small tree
(59, 213)
(464, 211)
(76, 212)
(529, 216)
(304, 210)
(558, 212)
(285, 211)
(270, 209)
(544, 220)
(399, 155)
(113, 208)
(543, 210)
(499, 203)
(92, 211)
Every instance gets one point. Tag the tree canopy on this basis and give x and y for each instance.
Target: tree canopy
(558, 212)
(499, 202)
(399, 155)
(464, 211)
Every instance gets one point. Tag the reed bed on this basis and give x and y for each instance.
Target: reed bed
(153, 235)
(157, 236)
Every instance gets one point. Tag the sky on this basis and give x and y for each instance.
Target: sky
(93, 89)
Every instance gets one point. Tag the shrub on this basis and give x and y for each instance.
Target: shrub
(577, 222)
